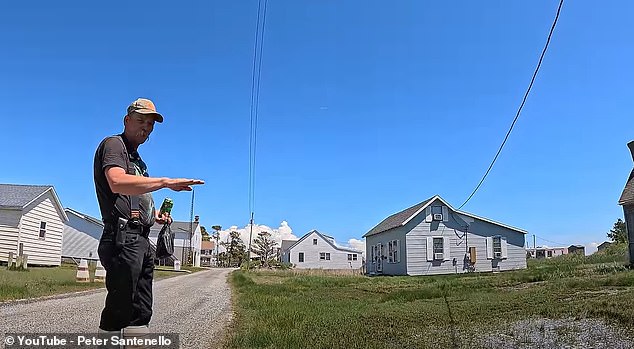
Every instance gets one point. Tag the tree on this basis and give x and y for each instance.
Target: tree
(204, 233)
(235, 249)
(618, 233)
(264, 247)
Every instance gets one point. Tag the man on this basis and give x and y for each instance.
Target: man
(121, 180)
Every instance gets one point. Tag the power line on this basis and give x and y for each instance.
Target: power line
(517, 115)
(255, 100)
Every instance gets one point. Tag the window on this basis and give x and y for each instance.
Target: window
(392, 251)
(301, 257)
(42, 230)
(349, 256)
(314, 241)
(327, 256)
(354, 257)
(324, 256)
(438, 246)
(497, 246)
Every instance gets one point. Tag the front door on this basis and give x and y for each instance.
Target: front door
(379, 258)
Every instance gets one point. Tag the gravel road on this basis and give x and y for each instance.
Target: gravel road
(197, 306)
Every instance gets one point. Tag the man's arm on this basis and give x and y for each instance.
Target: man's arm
(122, 183)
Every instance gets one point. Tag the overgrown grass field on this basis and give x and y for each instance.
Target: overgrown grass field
(46, 281)
(287, 309)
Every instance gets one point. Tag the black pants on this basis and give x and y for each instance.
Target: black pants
(129, 274)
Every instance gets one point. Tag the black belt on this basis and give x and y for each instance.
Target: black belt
(111, 228)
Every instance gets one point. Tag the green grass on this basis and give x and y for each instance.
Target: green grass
(45, 281)
(277, 309)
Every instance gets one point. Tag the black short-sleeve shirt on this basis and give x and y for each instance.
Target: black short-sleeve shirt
(111, 152)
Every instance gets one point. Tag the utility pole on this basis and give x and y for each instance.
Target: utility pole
(250, 237)
(534, 246)
(217, 228)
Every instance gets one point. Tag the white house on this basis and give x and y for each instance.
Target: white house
(318, 251)
(185, 241)
(81, 236)
(31, 223)
(434, 238)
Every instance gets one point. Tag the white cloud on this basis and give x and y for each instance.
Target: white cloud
(284, 232)
(357, 244)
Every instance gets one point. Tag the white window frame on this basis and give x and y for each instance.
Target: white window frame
(314, 241)
(354, 256)
(301, 257)
(327, 256)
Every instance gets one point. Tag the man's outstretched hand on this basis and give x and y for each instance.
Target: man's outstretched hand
(180, 184)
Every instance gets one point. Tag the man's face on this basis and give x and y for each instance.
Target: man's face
(138, 127)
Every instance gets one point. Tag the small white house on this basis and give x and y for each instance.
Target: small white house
(81, 236)
(434, 238)
(318, 251)
(187, 239)
(31, 223)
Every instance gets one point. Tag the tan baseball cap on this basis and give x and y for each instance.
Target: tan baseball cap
(144, 106)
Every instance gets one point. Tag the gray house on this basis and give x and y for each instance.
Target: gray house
(434, 238)
(319, 251)
(31, 223)
(81, 236)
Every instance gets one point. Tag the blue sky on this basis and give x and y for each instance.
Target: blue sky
(366, 107)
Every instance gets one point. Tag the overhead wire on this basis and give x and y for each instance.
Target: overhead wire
(254, 107)
(530, 86)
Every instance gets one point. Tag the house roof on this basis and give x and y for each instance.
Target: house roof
(627, 197)
(207, 245)
(84, 216)
(326, 238)
(401, 218)
(177, 226)
(18, 196)
(286, 244)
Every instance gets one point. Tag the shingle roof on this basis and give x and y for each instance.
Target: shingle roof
(396, 219)
(18, 195)
(627, 197)
(331, 242)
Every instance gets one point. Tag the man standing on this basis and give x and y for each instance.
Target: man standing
(123, 189)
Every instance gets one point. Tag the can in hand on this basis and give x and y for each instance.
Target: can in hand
(166, 206)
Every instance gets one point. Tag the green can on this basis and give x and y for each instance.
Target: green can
(166, 206)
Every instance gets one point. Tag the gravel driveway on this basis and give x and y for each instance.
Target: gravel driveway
(197, 306)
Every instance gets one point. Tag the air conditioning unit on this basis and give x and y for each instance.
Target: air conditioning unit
(497, 255)
(438, 216)
(438, 256)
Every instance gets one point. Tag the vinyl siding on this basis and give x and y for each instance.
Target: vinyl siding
(9, 227)
(338, 259)
(413, 241)
(45, 251)
(454, 230)
(395, 268)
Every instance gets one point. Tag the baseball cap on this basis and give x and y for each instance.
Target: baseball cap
(144, 106)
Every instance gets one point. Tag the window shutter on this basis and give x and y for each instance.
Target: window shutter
(489, 248)
(389, 252)
(505, 252)
(428, 217)
(446, 248)
(445, 214)
(430, 249)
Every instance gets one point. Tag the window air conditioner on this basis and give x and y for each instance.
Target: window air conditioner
(438, 216)
(497, 254)
(438, 256)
